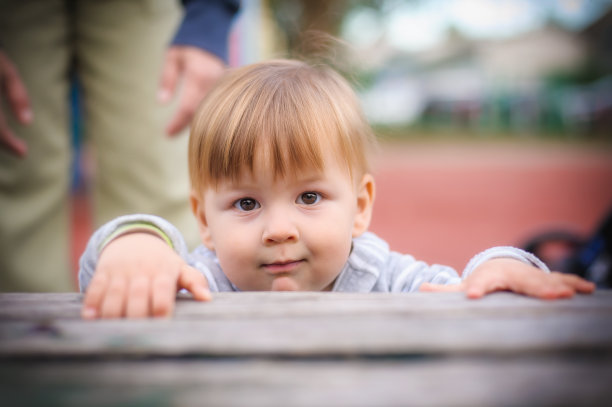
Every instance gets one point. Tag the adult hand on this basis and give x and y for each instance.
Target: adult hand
(13, 90)
(198, 70)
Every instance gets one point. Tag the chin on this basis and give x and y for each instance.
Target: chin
(285, 284)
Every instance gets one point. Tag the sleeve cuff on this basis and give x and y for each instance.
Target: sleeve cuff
(206, 25)
(135, 227)
(503, 252)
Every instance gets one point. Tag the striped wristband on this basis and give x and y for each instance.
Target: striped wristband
(135, 227)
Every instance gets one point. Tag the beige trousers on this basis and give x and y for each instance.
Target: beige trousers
(116, 48)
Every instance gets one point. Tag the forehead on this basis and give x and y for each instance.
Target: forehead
(265, 169)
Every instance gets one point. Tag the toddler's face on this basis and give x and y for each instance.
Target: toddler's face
(285, 234)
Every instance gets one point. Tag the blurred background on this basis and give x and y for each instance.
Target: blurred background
(494, 116)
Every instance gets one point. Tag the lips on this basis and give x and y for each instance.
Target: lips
(282, 266)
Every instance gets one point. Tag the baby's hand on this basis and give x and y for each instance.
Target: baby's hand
(138, 276)
(504, 274)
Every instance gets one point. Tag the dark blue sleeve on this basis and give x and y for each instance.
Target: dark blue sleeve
(206, 25)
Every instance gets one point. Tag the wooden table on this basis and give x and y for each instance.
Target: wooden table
(321, 349)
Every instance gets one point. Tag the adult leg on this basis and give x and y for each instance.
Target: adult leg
(139, 169)
(34, 233)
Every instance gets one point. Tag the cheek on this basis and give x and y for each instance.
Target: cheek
(332, 254)
(235, 250)
(230, 243)
(332, 240)
(335, 254)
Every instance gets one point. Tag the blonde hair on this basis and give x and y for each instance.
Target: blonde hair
(288, 111)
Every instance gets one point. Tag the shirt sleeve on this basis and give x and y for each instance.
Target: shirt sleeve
(507, 252)
(373, 267)
(206, 25)
(413, 273)
(89, 259)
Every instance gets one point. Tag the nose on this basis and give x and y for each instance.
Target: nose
(279, 228)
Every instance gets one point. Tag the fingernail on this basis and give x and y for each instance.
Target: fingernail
(88, 313)
(204, 293)
(474, 293)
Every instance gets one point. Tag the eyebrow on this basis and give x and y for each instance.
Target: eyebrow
(316, 176)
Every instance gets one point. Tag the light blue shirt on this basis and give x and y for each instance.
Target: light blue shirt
(371, 265)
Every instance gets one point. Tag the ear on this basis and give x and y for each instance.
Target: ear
(365, 204)
(197, 207)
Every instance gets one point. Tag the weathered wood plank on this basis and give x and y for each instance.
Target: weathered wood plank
(478, 381)
(307, 324)
(36, 307)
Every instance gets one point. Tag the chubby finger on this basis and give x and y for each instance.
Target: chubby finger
(94, 296)
(546, 286)
(113, 304)
(579, 284)
(430, 287)
(138, 298)
(192, 280)
(475, 291)
(163, 295)
(551, 292)
(539, 285)
(478, 288)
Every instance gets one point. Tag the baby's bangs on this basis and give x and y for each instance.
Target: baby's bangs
(288, 127)
(283, 116)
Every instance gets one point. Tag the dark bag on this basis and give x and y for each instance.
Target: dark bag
(590, 258)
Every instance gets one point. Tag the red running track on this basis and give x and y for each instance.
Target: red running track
(445, 203)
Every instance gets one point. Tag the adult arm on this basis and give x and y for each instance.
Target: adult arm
(196, 56)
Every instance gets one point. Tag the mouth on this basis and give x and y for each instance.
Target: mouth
(280, 267)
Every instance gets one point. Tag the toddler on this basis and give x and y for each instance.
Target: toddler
(283, 195)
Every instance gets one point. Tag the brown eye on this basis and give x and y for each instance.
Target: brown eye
(246, 204)
(309, 198)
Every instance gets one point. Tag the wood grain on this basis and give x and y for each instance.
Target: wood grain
(303, 349)
(323, 324)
